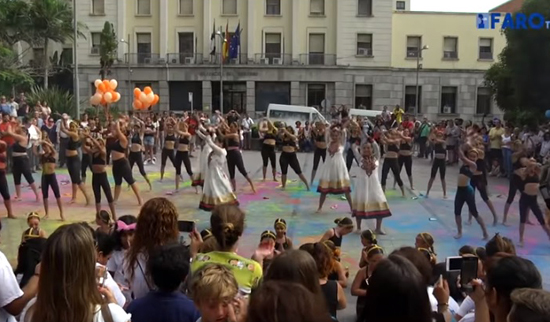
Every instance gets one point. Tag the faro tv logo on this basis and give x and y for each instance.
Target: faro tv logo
(511, 21)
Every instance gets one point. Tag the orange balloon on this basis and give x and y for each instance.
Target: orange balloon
(137, 104)
(101, 87)
(147, 90)
(145, 105)
(155, 101)
(116, 96)
(103, 102)
(137, 92)
(107, 85)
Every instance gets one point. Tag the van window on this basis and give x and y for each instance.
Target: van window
(289, 115)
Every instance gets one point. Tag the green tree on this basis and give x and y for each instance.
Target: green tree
(520, 82)
(107, 49)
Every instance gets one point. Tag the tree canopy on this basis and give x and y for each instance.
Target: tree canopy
(107, 49)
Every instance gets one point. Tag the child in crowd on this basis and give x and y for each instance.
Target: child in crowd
(368, 240)
(282, 242)
(105, 244)
(123, 236)
(104, 222)
(343, 227)
(33, 220)
(424, 242)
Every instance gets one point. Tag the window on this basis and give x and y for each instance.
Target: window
(316, 49)
(484, 101)
(186, 7)
(363, 97)
(400, 5)
(364, 7)
(410, 99)
(450, 47)
(67, 57)
(229, 7)
(364, 45)
(143, 47)
(272, 46)
(186, 44)
(486, 48)
(96, 43)
(273, 7)
(315, 95)
(144, 7)
(413, 46)
(317, 7)
(448, 100)
(98, 7)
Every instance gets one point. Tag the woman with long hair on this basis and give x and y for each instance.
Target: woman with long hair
(206, 149)
(437, 139)
(49, 180)
(231, 136)
(68, 288)
(121, 166)
(73, 160)
(86, 152)
(320, 137)
(520, 160)
(269, 140)
(288, 156)
(355, 137)
(4, 188)
(405, 155)
(20, 160)
(157, 225)
(136, 151)
(182, 154)
(392, 140)
(99, 175)
(149, 134)
(168, 147)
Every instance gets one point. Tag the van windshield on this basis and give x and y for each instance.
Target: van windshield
(289, 115)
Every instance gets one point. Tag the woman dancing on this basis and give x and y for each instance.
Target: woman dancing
(4, 189)
(392, 139)
(319, 134)
(334, 178)
(121, 166)
(437, 138)
(355, 138)
(182, 154)
(288, 156)
(519, 162)
(465, 193)
(217, 188)
(369, 200)
(73, 160)
(230, 133)
(168, 148)
(20, 160)
(198, 178)
(86, 154)
(269, 141)
(136, 151)
(405, 155)
(49, 178)
(149, 140)
(99, 175)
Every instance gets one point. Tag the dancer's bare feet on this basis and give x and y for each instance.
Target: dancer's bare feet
(318, 211)
(469, 222)
(485, 237)
(11, 217)
(72, 201)
(380, 232)
(505, 224)
(521, 244)
(458, 236)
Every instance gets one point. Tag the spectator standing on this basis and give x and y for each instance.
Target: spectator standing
(6, 123)
(398, 114)
(14, 107)
(246, 125)
(51, 131)
(63, 138)
(495, 138)
(4, 105)
(424, 134)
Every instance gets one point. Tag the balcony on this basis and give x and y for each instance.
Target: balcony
(274, 59)
(145, 59)
(185, 59)
(318, 59)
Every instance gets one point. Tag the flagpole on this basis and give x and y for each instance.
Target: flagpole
(221, 72)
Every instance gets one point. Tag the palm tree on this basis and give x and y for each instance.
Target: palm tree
(107, 49)
(52, 21)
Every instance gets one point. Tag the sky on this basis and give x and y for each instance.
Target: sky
(455, 5)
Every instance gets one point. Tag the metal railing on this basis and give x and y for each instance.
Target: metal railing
(273, 59)
(241, 59)
(184, 59)
(318, 59)
(144, 59)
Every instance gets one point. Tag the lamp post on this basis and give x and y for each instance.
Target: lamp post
(130, 93)
(417, 98)
(219, 34)
(75, 62)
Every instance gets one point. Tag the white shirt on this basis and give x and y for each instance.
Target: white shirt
(138, 284)
(246, 123)
(115, 289)
(61, 133)
(116, 264)
(14, 108)
(467, 306)
(118, 313)
(453, 306)
(544, 148)
(9, 290)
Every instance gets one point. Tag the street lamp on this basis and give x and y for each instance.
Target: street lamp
(418, 66)
(130, 92)
(75, 62)
(219, 34)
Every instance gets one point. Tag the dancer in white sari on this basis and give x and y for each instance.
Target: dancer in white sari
(217, 188)
(369, 200)
(198, 178)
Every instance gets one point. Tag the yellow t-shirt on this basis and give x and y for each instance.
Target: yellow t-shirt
(247, 272)
(495, 137)
(398, 115)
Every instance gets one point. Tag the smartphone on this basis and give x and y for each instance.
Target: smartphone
(453, 263)
(185, 227)
(468, 272)
(100, 275)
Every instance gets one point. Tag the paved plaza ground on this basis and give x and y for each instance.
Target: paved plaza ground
(411, 215)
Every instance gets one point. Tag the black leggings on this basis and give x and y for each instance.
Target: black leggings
(100, 181)
(73, 165)
(268, 155)
(350, 156)
(21, 166)
(4, 189)
(183, 157)
(289, 159)
(136, 158)
(393, 165)
(50, 180)
(516, 184)
(407, 161)
(465, 195)
(121, 169)
(438, 164)
(85, 164)
(167, 154)
(317, 155)
(527, 202)
(478, 182)
(235, 160)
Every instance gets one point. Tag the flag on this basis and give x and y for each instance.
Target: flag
(235, 43)
(225, 47)
(213, 40)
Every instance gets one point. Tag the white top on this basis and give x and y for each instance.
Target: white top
(10, 290)
(118, 313)
(470, 317)
(453, 306)
(138, 284)
(116, 265)
(115, 289)
(467, 306)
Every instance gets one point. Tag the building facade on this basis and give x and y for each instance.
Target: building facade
(358, 53)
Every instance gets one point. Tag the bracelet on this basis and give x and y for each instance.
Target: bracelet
(442, 304)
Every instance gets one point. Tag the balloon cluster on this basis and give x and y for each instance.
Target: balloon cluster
(145, 99)
(105, 92)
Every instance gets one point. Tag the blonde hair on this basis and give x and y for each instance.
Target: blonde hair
(213, 282)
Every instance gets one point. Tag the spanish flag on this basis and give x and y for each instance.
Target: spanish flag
(225, 47)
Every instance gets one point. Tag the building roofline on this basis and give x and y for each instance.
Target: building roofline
(501, 5)
(435, 13)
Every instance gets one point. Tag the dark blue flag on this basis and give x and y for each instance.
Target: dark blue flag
(235, 43)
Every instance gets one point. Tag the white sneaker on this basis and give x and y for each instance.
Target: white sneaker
(154, 161)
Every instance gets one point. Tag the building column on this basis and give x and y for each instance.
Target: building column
(297, 33)
(250, 97)
(207, 29)
(295, 97)
(251, 28)
(164, 93)
(163, 41)
(207, 96)
(122, 33)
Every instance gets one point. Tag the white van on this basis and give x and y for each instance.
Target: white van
(371, 114)
(290, 114)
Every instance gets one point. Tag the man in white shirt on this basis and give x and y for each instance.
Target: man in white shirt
(14, 107)
(246, 125)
